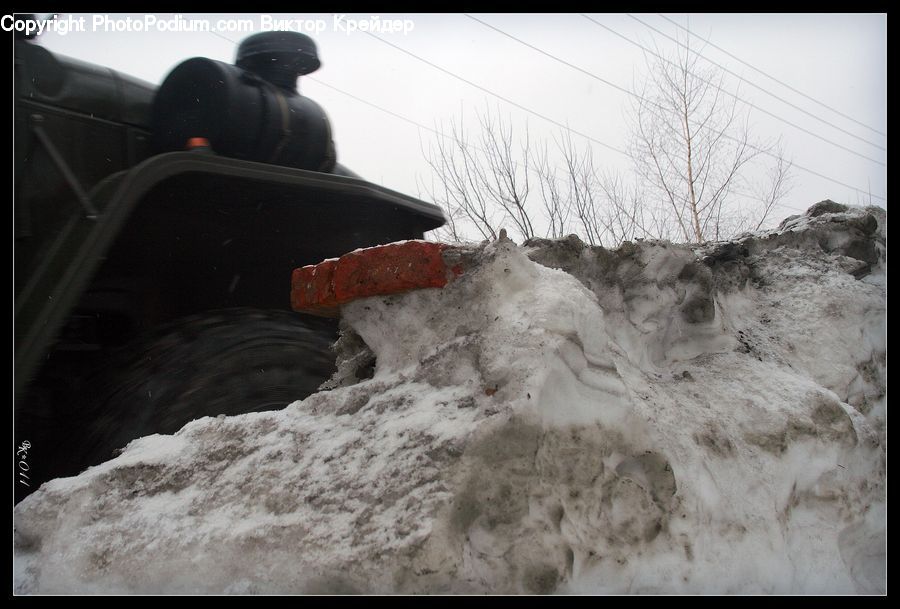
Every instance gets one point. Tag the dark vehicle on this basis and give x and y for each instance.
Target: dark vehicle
(155, 234)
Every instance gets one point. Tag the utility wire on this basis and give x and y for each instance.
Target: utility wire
(420, 125)
(635, 95)
(782, 83)
(554, 176)
(368, 103)
(498, 96)
(444, 135)
(752, 84)
(745, 102)
(394, 114)
(480, 149)
(405, 119)
(363, 101)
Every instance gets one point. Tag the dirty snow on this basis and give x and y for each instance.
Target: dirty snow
(560, 419)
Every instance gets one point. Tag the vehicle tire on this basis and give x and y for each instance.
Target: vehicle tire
(224, 362)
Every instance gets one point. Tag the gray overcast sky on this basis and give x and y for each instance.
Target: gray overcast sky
(839, 59)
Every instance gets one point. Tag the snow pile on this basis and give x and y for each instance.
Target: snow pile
(651, 419)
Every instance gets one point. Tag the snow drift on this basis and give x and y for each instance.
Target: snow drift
(562, 418)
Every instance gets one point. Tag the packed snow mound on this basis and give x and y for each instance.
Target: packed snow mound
(653, 419)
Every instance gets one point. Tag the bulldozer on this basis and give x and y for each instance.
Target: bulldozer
(156, 228)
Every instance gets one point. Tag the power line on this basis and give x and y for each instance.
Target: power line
(215, 33)
(554, 176)
(377, 107)
(444, 135)
(401, 117)
(498, 96)
(535, 113)
(784, 84)
(554, 57)
(363, 101)
(416, 123)
(534, 170)
(752, 84)
(777, 204)
(635, 95)
(745, 102)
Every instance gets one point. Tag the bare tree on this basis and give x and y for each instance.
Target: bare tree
(779, 184)
(691, 143)
(692, 153)
(505, 179)
(625, 215)
(555, 202)
(458, 170)
(581, 181)
(602, 206)
(452, 231)
(485, 183)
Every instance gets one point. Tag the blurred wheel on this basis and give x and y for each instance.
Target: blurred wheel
(224, 362)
